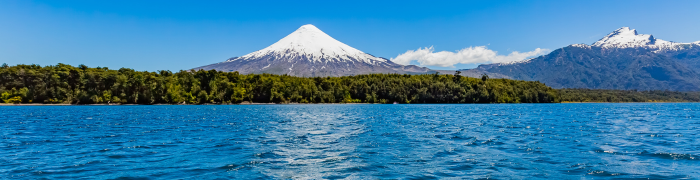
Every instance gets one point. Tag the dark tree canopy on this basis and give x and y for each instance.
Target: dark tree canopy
(607, 95)
(83, 85)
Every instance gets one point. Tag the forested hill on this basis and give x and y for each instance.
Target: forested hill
(83, 85)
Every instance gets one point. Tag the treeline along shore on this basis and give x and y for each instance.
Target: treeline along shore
(65, 84)
(83, 85)
(608, 95)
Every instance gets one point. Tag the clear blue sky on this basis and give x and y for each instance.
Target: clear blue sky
(174, 35)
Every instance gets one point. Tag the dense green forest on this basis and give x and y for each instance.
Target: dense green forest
(603, 95)
(83, 85)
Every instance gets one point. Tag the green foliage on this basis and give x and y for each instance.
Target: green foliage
(6, 96)
(15, 96)
(14, 100)
(602, 95)
(106, 95)
(83, 85)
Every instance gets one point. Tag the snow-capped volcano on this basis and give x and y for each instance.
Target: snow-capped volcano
(308, 51)
(312, 43)
(629, 38)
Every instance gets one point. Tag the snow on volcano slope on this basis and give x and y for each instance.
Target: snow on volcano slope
(308, 51)
(314, 44)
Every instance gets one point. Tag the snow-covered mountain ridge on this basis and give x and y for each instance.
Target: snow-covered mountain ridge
(629, 38)
(625, 37)
(623, 59)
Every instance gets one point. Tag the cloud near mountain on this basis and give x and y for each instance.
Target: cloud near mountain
(470, 55)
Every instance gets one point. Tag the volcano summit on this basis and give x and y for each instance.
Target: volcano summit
(310, 52)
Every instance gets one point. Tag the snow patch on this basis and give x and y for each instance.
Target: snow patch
(516, 62)
(581, 46)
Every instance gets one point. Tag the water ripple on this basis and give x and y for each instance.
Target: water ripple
(495, 141)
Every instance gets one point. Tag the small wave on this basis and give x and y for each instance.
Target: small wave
(672, 156)
(602, 173)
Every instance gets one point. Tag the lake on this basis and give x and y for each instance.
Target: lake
(472, 141)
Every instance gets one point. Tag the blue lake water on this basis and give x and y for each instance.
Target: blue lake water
(496, 141)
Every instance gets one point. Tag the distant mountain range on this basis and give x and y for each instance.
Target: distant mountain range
(623, 59)
(310, 52)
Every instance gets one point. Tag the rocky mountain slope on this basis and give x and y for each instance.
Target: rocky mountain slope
(308, 52)
(623, 59)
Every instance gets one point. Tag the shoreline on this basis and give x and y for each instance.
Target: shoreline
(41, 104)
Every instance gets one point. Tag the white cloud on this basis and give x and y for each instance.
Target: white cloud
(470, 55)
